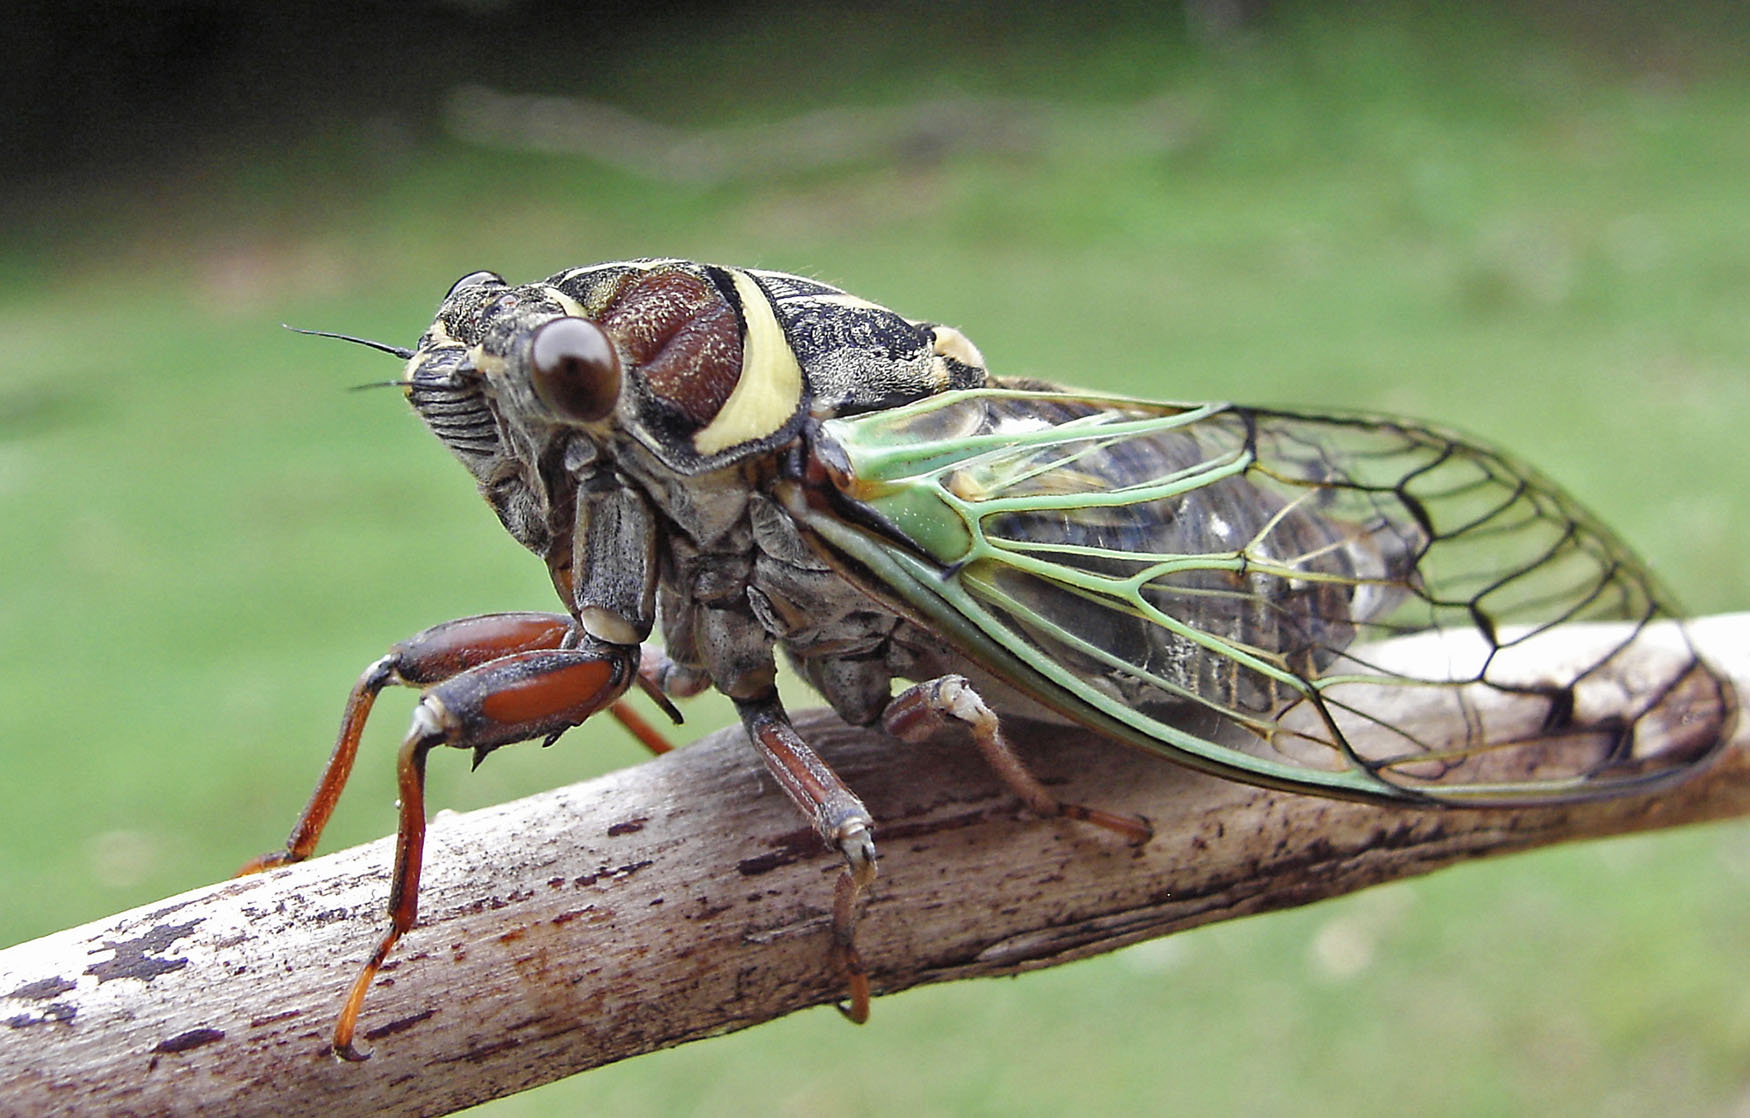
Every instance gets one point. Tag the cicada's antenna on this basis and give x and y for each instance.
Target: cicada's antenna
(382, 347)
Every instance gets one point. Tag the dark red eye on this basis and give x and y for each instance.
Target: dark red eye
(574, 369)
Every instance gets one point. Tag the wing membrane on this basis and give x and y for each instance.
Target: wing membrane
(1224, 584)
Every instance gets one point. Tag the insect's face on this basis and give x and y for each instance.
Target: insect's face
(514, 381)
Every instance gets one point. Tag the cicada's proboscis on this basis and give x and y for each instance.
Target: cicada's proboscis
(756, 462)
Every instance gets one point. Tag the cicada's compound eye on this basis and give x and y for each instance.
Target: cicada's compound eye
(574, 369)
(475, 279)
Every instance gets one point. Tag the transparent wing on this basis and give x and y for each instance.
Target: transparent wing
(1233, 587)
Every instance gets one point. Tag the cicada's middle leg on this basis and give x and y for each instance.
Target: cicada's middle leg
(838, 816)
(494, 679)
(842, 820)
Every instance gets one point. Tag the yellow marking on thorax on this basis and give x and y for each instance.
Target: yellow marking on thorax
(572, 306)
(770, 388)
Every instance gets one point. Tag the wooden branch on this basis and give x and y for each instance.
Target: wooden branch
(684, 898)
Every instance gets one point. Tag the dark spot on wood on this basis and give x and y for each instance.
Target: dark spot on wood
(791, 846)
(138, 958)
(474, 908)
(53, 1012)
(901, 830)
(161, 913)
(400, 1025)
(192, 1039)
(629, 827)
(707, 910)
(513, 935)
(617, 873)
(42, 988)
(483, 1053)
(764, 863)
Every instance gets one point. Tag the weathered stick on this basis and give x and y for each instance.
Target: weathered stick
(683, 898)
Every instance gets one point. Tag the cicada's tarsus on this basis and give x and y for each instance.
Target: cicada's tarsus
(755, 461)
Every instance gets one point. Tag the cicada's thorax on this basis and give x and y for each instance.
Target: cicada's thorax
(650, 497)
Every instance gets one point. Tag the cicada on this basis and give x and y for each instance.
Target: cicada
(753, 463)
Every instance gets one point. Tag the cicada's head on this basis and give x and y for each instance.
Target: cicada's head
(472, 380)
(688, 367)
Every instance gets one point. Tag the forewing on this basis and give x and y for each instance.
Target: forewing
(1241, 588)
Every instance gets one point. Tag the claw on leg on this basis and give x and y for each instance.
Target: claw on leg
(858, 847)
(920, 710)
(659, 678)
(845, 897)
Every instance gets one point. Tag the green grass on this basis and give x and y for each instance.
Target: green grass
(1537, 233)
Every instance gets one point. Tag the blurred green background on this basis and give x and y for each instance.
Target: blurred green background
(1532, 226)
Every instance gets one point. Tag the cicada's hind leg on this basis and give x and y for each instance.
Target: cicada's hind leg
(498, 679)
(920, 711)
(839, 817)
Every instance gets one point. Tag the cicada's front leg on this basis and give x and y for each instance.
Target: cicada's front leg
(496, 679)
(513, 698)
(437, 654)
